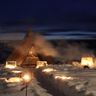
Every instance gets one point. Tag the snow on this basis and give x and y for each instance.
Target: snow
(83, 80)
(34, 89)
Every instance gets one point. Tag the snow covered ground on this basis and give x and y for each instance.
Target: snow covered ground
(80, 82)
(32, 90)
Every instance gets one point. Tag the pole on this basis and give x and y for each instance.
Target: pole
(26, 90)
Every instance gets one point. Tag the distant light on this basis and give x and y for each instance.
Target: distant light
(11, 64)
(30, 52)
(27, 77)
(41, 64)
(87, 61)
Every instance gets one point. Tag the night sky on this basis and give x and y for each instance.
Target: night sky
(48, 11)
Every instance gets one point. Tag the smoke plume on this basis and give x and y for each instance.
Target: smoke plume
(73, 51)
(44, 47)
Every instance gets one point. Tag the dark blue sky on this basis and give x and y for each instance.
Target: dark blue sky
(48, 11)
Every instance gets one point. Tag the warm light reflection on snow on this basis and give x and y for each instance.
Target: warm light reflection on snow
(10, 66)
(14, 80)
(16, 71)
(63, 77)
(48, 70)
